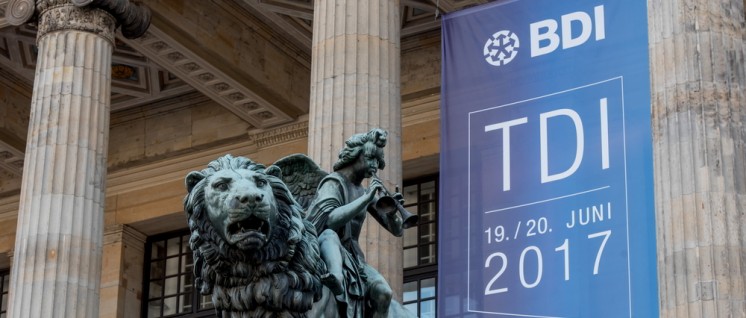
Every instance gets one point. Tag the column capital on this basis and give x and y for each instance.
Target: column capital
(55, 15)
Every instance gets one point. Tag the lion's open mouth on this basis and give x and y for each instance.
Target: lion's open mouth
(250, 225)
(249, 233)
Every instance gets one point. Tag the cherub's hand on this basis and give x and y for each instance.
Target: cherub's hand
(376, 186)
(398, 196)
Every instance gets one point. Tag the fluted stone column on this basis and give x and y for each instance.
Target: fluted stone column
(355, 87)
(699, 108)
(57, 260)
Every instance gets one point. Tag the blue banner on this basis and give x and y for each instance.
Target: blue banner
(546, 202)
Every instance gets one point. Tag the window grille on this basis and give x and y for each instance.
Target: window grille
(420, 247)
(4, 287)
(169, 280)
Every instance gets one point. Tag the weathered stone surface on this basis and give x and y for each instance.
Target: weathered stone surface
(57, 255)
(420, 65)
(121, 276)
(68, 17)
(698, 87)
(157, 131)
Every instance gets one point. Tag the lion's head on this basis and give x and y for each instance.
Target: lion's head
(240, 205)
(249, 238)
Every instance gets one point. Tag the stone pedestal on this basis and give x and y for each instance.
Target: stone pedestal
(57, 260)
(355, 87)
(699, 107)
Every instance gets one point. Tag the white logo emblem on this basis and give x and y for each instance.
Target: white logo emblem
(501, 48)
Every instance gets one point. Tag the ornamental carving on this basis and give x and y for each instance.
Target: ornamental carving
(249, 106)
(206, 77)
(221, 87)
(175, 56)
(18, 12)
(134, 19)
(55, 15)
(265, 245)
(265, 115)
(159, 46)
(190, 67)
(68, 17)
(280, 135)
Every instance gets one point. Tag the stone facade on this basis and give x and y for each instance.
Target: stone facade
(259, 91)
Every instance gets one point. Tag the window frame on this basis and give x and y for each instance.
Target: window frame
(421, 272)
(148, 261)
(4, 275)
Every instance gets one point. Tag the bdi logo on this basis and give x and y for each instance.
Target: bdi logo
(573, 29)
(501, 48)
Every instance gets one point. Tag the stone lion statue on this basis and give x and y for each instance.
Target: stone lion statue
(253, 250)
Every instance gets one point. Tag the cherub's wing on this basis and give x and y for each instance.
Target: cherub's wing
(302, 177)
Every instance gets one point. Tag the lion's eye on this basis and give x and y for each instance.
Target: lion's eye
(221, 186)
(261, 182)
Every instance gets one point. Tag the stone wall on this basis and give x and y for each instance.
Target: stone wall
(14, 112)
(420, 65)
(153, 132)
(14, 120)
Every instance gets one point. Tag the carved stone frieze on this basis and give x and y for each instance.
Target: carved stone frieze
(280, 135)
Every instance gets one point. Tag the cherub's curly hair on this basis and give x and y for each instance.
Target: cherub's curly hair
(282, 276)
(370, 143)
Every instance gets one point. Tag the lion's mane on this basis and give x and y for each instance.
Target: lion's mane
(279, 279)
